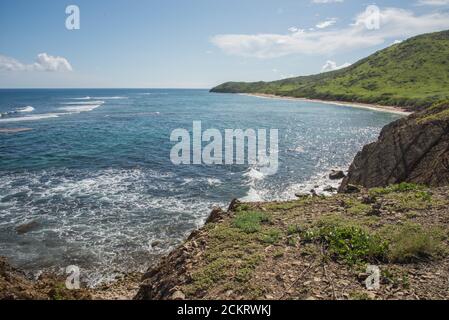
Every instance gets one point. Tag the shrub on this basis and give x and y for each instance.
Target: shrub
(349, 243)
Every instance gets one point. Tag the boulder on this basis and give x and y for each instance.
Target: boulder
(337, 175)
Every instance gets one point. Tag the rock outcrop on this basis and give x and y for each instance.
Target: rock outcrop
(16, 285)
(413, 149)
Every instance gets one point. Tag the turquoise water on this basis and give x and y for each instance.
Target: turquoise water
(94, 170)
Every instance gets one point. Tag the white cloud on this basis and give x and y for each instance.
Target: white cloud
(44, 62)
(327, 23)
(394, 23)
(433, 2)
(332, 65)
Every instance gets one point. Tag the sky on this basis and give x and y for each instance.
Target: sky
(198, 43)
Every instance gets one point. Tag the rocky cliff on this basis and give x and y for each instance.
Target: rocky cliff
(414, 149)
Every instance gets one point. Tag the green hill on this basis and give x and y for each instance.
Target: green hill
(413, 74)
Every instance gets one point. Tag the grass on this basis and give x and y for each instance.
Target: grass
(405, 196)
(411, 243)
(397, 188)
(355, 207)
(414, 73)
(271, 236)
(250, 221)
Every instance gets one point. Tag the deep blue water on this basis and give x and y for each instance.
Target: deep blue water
(95, 172)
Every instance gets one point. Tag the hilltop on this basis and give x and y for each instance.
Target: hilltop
(413, 74)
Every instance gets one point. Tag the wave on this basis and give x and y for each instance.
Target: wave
(213, 182)
(81, 108)
(83, 103)
(16, 111)
(109, 98)
(118, 212)
(32, 118)
(26, 109)
(254, 174)
(84, 98)
(99, 98)
(253, 195)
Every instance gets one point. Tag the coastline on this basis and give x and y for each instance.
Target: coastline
(374, 107)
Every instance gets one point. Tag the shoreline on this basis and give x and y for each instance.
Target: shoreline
(374, 107)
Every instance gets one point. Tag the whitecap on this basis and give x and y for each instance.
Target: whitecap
(80, 108)
(84, 98)
(254, 174)
(110, 98)
(83, 103)
(213, 182)
(16, 111)
(252, 196)
(26, 109)
(32, 118)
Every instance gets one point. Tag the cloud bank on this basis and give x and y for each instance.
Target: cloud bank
(332, 66)
(394, 23)
(44, 62)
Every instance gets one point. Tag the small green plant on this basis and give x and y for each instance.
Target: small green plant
(293, 229)
(349, 243)
(271, 236)
(292, 241)
(249, 221)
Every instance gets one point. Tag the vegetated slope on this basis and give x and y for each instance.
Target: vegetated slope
(314, 248)
(413, 74)
(413, 149)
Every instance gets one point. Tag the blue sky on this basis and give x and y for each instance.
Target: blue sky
(196, 43)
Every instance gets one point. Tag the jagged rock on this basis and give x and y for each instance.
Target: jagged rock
(155, 244)
(329, 189)
(414, 149)
(337, 175)
(16, 285)
(215, 215)
(302, 195)
(234, 204)
(349, 189)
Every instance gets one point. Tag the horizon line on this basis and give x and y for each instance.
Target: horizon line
(107, 88)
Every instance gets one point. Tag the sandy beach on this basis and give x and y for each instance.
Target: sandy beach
(374, 107)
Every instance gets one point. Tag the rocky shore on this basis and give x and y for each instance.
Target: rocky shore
(391, 212)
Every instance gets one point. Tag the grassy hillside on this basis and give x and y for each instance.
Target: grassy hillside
(414, 73)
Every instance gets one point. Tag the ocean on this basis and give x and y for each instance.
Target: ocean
(91, 169)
